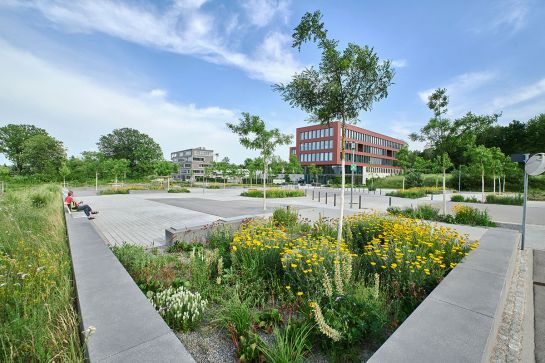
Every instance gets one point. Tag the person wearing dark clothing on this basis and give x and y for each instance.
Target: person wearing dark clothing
(71, 203)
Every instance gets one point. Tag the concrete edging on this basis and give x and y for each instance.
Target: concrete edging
(128, 328)
(457, 322)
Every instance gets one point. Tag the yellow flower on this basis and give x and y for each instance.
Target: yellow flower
(234, 248)
(293, 265)
(288, 287)
(299, 293)
(393, 265)
(373, 263)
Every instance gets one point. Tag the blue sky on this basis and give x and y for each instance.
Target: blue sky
(179, 70)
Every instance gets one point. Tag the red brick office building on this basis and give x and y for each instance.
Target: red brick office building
(373, 153)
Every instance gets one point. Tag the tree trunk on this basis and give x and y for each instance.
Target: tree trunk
(403, 182)
(494, 182)
(264, 185)
(444, 193)
(96, 180)
(343, 174)
(504, 183)
(482, 184)
(64, 182)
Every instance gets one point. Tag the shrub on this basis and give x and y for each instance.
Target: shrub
(182, 246)
(461, 198)
(504, 199)
(408, 193)
(472, 216)
(219, 237)
(414, 179)
(285, 217)
(274, 193)
(213, 187)
(114, 191)
(179, 190)
(424, 211)
(180, 308)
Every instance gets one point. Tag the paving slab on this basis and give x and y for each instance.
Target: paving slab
(539, 267)
(539, 323)
(437, 332)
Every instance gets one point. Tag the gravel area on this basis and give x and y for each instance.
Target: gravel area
(209, 345)
(508, 346)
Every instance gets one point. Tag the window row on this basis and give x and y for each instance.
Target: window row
(317, 145)
(351, 134)
(383, 170)
(310, 158)
(314, 134)
(368, 159)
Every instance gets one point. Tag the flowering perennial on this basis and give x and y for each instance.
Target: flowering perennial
(180, 307)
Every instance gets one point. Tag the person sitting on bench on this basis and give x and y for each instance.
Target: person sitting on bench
(71, 203)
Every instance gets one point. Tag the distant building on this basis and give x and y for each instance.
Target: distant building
(373, 153)
(192, 162)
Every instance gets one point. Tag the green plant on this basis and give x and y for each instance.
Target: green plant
(472, 216)
(38, 319)
(151, 272)
(461, 198)
(114, 191)
(181, 308)
(249, 346)
(504, 199)
(40, 199)
(424, 211)
(182, 246)
(274, 193)
(414, 179)
(179, 190)
(267, 319)
(291, 343)
(213, 187)
(285, 217)
(236, 315)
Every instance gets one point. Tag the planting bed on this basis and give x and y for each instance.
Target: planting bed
(283, 289)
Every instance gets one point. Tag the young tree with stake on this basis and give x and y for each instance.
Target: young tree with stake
(444, 163)
(481, 156)
(254, 135)
(345, 83)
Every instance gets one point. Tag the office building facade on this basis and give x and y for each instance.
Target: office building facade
(192, 162)
(372, 153)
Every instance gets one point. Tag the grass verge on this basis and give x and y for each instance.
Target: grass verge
(274, 193)
(39, 322)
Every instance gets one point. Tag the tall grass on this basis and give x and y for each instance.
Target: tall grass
(38, 320)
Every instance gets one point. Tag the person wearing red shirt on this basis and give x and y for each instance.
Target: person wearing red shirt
(71, 203)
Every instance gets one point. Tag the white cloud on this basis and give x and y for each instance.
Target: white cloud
(461, 84)
(159, 93)
(78, 110)
(510, 15)
(520, 95)
(262, 12)
(184, 28)
(399, 63)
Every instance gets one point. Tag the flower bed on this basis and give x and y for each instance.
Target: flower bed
(284, 287)
(462, 215)
(274, 193)
(416, 192)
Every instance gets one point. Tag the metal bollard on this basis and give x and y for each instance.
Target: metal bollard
(334, 200)
(380, 191)
(390, 202)
(325, 198)
(318, 197)
(359, 203)
(313, 195)
(375, 192)
(431, 195)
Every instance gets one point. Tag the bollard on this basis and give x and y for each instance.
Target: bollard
(313, 195)
(318, 197)
(380, 191)
(305, 192)
(359, 203)
(325, 198)
(431, 195)
(334, 200)
(390, 202)
(375, 192)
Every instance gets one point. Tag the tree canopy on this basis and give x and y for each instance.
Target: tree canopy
(139, 149)
(12, 140)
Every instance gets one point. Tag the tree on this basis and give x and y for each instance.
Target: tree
(12, 139)
(64, 171)
(223, 168)
(137, 148)
(345, 84)
(497, 159)
(480, 156)
(165, 168)
(254, 135)
(444, 163)
(294, 166)
(314, 170)
(42, 154)
(115, 167)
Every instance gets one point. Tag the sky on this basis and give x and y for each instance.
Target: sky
(179, 70)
